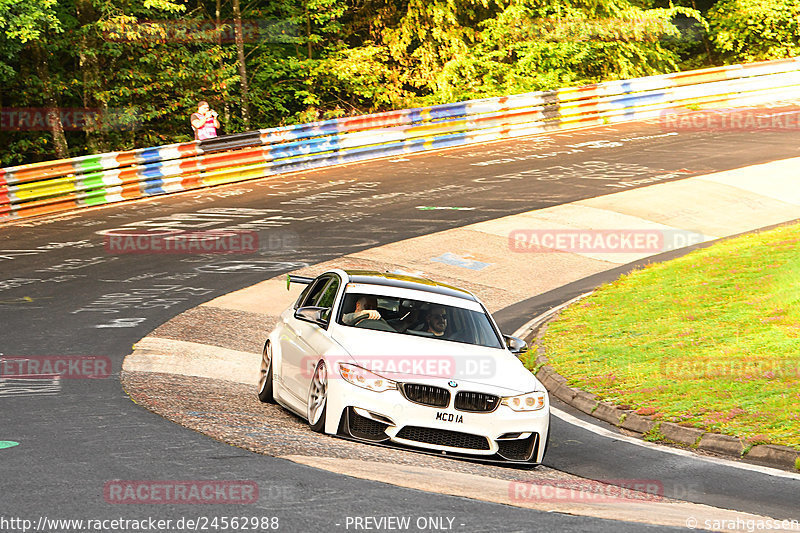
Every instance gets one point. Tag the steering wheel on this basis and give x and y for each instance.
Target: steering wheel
(360, 317)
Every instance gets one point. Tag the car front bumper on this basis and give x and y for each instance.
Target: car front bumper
(390, 418)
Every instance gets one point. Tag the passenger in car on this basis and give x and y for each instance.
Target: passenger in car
(436, 320)
(366, 308)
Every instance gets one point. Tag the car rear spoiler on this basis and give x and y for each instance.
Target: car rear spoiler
(305, 280)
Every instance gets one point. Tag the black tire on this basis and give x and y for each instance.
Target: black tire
(547, 440)
(317, 404)
(265, 378)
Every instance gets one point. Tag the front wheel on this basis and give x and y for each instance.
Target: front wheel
(546, 442)
(265, 378)
(318, 398)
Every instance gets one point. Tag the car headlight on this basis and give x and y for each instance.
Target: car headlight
(532, 401)
(361, 377)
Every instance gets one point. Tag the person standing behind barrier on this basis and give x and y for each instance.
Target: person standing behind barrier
(204, 122)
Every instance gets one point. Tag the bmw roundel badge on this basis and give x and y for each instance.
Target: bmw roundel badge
(453, 384)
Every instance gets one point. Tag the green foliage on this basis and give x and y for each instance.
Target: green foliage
(430, 35)
(535, 46)
(164, 5)
(22, 22)
(25, 21)
(751, 30)
(128, 63)
(655, 434)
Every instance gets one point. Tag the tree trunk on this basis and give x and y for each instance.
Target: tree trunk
(237, 22)
(226, 108)
(308, 28)
(53, 112)
(705, 40)
(90, 74)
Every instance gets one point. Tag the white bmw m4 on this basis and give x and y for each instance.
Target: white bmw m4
(408, 362)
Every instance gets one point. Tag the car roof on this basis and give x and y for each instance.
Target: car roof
(373, 277)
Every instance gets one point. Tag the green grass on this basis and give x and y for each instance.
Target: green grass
(709, 340)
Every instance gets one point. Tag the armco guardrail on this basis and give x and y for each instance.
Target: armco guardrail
(65, 184)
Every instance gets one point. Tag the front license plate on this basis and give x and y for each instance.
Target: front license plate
(443, 416)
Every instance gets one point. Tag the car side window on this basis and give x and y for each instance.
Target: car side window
(313, 292)
(328, 295)
(302, 297)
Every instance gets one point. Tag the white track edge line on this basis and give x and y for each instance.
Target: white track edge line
(566, 417)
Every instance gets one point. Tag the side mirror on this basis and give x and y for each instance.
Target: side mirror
(315, 315)
(515, 345)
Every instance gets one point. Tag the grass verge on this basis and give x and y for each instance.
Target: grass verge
(709, 340)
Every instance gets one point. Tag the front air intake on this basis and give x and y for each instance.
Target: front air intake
(429, 395)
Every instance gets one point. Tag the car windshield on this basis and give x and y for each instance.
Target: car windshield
(418, 318)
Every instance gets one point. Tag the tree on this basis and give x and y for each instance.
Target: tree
(461, 49)
(24, 25)
(752, 30)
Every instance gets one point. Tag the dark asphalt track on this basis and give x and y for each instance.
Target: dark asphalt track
(61, 292)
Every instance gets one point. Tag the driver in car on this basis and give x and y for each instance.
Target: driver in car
(366, 308)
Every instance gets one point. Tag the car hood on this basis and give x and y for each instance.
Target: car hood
(437, 362)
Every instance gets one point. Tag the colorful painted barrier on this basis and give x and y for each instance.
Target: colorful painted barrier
(55, 186)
